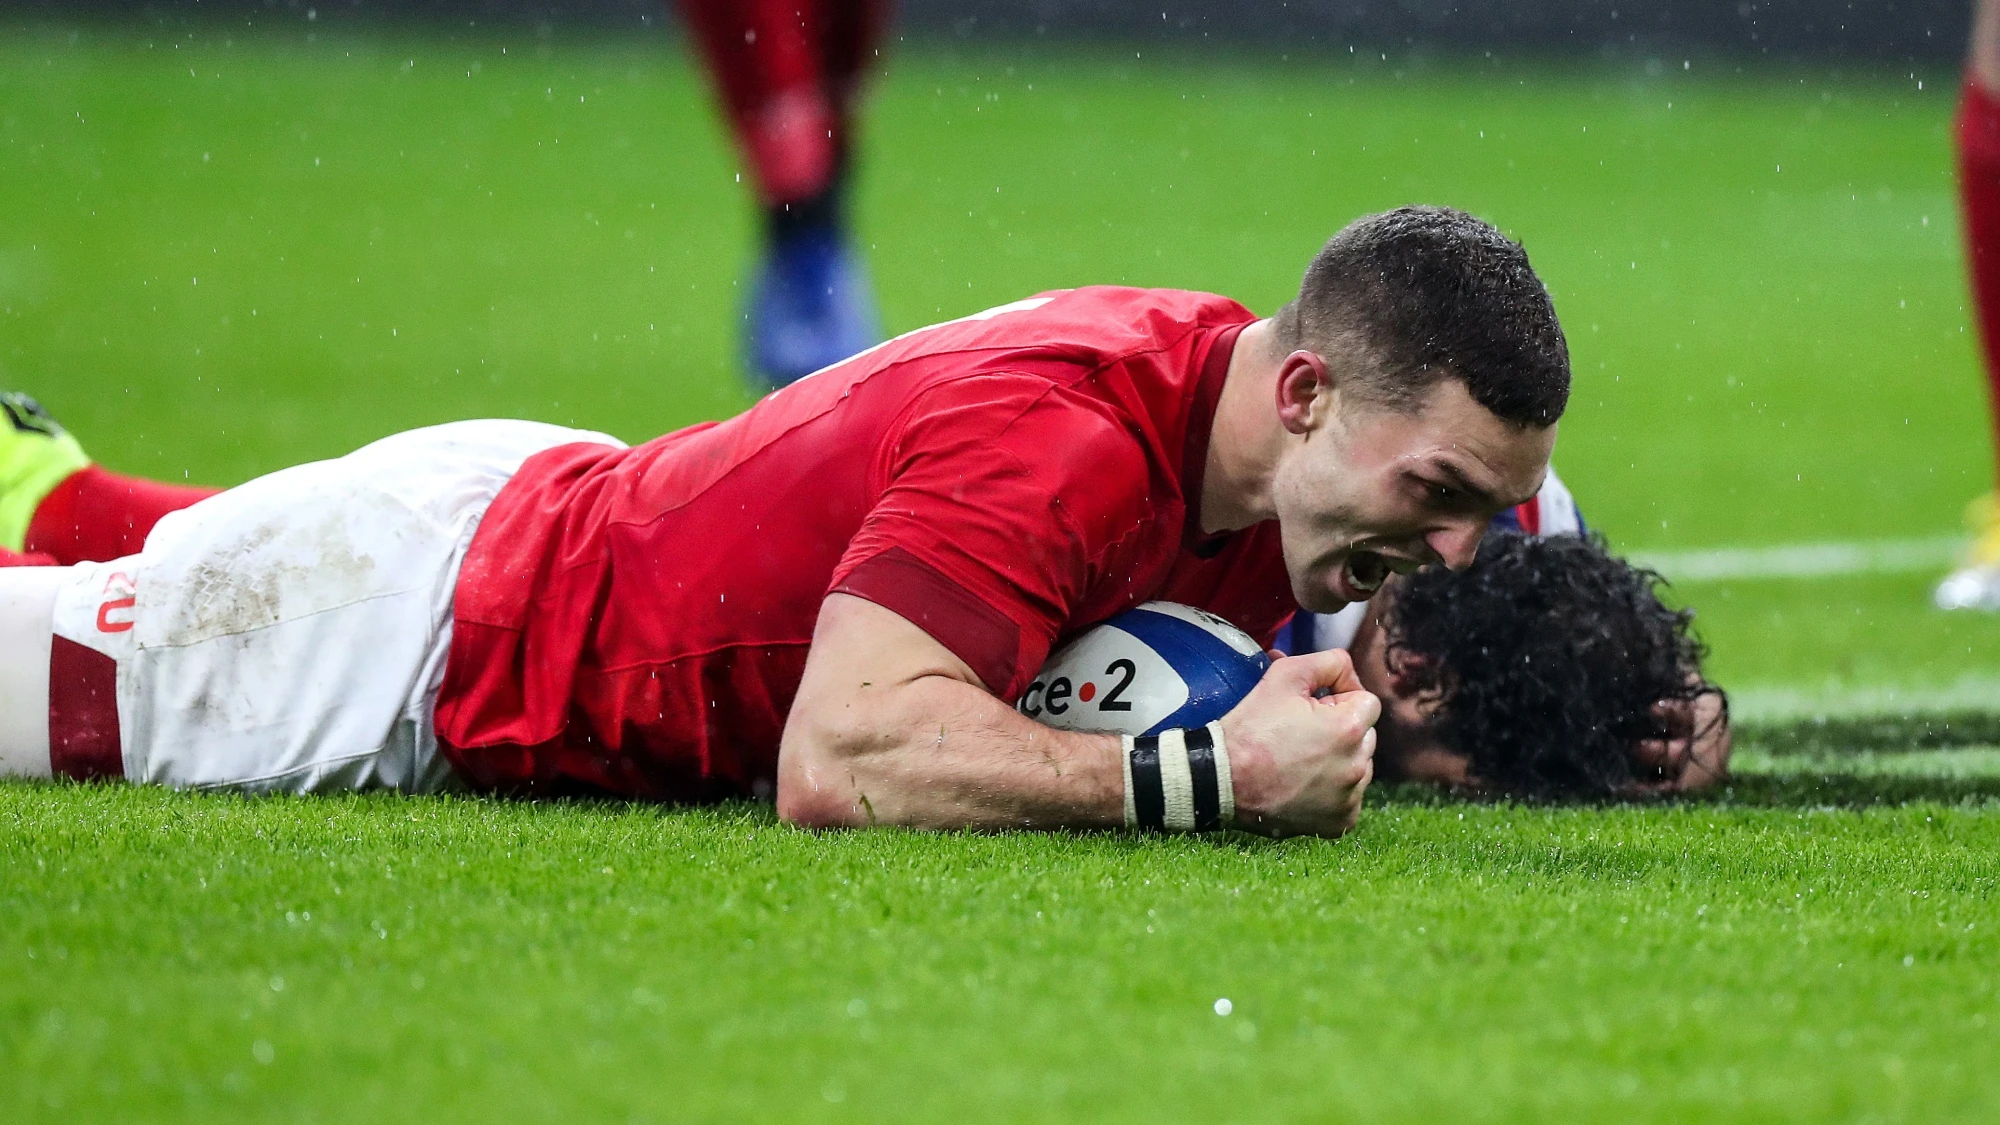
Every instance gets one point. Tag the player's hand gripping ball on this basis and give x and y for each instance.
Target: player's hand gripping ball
(1149, 669)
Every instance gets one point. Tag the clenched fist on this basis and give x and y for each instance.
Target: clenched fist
(1302, 747)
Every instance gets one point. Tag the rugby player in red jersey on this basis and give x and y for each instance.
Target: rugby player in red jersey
(1549, 669)
(831, 597)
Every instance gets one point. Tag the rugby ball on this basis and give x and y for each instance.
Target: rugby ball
(1149, 669)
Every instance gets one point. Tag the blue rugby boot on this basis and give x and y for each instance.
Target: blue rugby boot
(811, 306)
(36, 455)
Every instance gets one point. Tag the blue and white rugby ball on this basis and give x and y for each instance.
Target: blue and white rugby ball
(1149, 669)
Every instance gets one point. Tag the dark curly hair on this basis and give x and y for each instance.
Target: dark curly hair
(1549, 657)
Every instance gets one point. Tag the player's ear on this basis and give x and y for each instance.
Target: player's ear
(1407, 670)
(1302, 385)
(1415, 676)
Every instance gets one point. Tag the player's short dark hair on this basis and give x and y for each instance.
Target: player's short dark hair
(1549, 656)
(1418, 294)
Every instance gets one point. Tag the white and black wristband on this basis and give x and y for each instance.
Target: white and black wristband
(1178, 780)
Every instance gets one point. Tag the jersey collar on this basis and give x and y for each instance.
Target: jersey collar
(1201, 424)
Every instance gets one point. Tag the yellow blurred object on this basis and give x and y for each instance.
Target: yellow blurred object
(1976, 585)
(36, 455)
(1982, 518)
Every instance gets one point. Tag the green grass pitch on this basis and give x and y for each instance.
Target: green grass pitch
(223, 251)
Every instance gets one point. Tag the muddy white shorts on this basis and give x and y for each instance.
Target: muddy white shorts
(290, 634)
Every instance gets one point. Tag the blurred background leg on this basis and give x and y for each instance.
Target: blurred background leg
(36, 457)
(57, 508)
(1976, 585)
(790, 74)
(97, 515)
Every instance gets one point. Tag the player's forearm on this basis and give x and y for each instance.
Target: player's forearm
(940, 753)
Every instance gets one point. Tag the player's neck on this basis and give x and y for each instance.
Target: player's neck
(1244, 445)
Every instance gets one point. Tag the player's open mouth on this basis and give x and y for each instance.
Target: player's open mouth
(1364, 572)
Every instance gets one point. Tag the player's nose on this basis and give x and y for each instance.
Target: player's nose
(1456, 544)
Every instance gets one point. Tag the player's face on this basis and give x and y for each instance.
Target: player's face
(1364, 491)
(1407, 746)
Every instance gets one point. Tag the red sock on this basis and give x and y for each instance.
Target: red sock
(1979, 194)
(788, 72)
(97, 515)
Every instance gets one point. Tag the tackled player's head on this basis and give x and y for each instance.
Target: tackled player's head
(1420, 374)
(1538, 671)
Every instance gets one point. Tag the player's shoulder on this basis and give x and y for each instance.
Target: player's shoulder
(1091, 326)
(1121, 320)
(1187, 304)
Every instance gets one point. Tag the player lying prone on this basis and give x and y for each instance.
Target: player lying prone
(831, 598)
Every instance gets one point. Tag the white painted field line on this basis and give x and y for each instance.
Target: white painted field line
(1781, 703)
(1805, 560)
(1970, 692)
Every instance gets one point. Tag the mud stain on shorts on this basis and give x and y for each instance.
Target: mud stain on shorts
(275, 573)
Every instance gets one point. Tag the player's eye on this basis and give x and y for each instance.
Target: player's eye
(1436, 494)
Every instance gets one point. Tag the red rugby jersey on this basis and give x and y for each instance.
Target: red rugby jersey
(636, 621)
